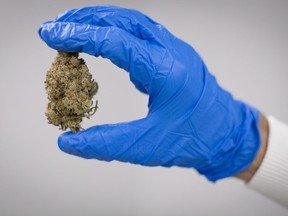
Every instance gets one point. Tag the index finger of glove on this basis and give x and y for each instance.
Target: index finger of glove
(109, 42)
(129, 20)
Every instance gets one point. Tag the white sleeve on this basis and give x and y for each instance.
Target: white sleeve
(271, 179)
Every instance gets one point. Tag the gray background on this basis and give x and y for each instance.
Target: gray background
(244, 43)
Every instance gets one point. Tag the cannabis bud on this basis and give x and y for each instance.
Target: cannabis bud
(70, 90)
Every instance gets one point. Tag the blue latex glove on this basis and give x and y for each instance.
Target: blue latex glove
(192, 122)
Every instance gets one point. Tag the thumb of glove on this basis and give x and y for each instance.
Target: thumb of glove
(108, 142)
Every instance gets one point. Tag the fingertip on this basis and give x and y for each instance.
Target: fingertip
(49, 32)
(42, 29)
(75, 144)
(64, 141)
(69, 36)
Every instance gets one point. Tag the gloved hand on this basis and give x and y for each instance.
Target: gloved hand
(192, 121)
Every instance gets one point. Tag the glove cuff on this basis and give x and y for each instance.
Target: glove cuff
(236, 139)
(246, 140)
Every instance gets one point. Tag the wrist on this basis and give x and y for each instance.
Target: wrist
(247, 174)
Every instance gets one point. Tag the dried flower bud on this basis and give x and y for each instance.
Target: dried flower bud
(70, 90)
